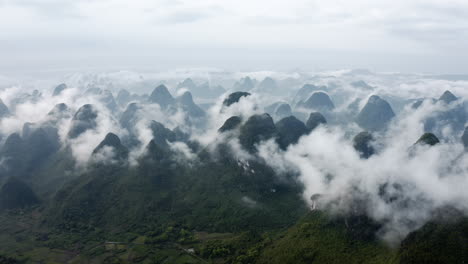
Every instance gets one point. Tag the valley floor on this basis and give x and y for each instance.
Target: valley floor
(312, 239)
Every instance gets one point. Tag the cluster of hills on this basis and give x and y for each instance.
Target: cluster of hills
(321, 173)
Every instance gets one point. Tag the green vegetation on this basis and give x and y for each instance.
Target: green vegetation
(230, 124)
(362, 142)
(428, 139)
(319, 238)
(256, 129)
(437, 242)
(234, 98)
(16, 194)
(216, 209)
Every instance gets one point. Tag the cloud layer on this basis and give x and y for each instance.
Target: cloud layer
(401, 186)
(385, 35)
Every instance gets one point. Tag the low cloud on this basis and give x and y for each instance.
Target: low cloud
(401, 186)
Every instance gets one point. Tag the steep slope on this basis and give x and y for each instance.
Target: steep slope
(306, 91)
(439, 241)
(448, 97)
(111, 143)
(427, 139)
(186, 102)
(107, 98)
(15, 194)
(187, 83)
(362, 142)
(59, 113)
(319, 101)
(4, 111)
(257, 128)
(162, 97)
(123, 98)
(13, 155)
(319, 238)
(290, 129)
(268, 86)
(315, 119)
(161, 134)
(216, 196)
(40, 144)
(452, 115)
(234, 98)
(375, 115)
(83, 120)
(231, 123)
(59, 89)
(129, 117)
(245, 84)
(283, 110)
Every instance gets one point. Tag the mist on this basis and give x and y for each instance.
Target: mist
(401, 186)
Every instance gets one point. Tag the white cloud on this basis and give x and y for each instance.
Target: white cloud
(421, 178)
(293, 33)
(324, 160)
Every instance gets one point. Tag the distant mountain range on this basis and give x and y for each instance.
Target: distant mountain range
(260, 176)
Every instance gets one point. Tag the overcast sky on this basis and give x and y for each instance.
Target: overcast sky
(397, 35)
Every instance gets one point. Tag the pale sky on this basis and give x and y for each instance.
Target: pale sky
(398, 35)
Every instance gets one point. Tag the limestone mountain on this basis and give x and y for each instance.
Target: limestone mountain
(4, 111)
(245, 84)
(40, 143)
(448, 97)
(123, 97)
(15, 194)
(283, 110)
(375, 115)
(257, 128)
(234, 98)
(319, 101)
(161, 134)
(22, 155)
(441, 240)
(187, 83)
(267, 85)
(112, 143)
(58, 113)
(153, 188)
(428, 139)
(230, 124)
(271, 108)
(290, 129)
(453, 115)
(186, 102)
(362, 142)
(129, 117)
(13, 156)
(107, 98)
(59, 89)
(315, 119)
(162, 97)
(23, 98)
(418, 102)
(203, 90)
(306, 91)
(84, 119)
